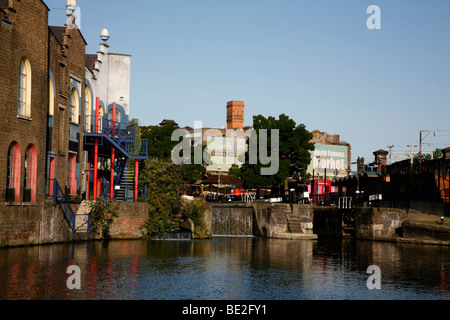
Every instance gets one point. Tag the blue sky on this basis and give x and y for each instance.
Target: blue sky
(314, 60)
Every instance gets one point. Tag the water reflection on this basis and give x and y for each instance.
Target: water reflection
(226, 269)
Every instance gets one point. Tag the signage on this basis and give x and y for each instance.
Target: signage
(225, 152)
(333, 159)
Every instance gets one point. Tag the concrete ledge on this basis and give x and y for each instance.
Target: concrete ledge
(294, 236)
(421, 230)
(426, 226)
(411, 241)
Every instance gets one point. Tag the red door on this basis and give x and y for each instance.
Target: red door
(52, 176)
(72, 173)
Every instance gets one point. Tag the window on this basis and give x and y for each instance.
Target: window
(24, 103)
(87, 109)
(51, 97)
(29, 194)
(100, 119)
(13, 173)
(118, 116)
(74, 106)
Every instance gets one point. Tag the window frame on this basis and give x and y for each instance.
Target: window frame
(24, 97)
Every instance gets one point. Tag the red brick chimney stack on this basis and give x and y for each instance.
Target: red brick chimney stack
(235, 115)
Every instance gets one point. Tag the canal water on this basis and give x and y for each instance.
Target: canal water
(226, 269)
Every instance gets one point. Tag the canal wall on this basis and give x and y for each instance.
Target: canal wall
(286, 221)
(45, 224)
(131, 218)
(369, 223)
(422, 230)
(32, 224)
(373, 223)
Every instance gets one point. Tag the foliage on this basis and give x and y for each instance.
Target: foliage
(165, 186)
(102, 216)
(192, 173)
(195, 210)
(160, 144)
(438, 154)
(167, 209)
(295, 147)
(138, 135)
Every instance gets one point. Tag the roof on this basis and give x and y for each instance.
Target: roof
(90, 60)
(224, 180)
(59, 31)
(166, 121)
(381, 152)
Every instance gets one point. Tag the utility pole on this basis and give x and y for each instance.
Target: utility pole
(390, 153)
(412, 152)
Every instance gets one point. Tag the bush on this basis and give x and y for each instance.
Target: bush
(195, 210)
(102, 216)
(167, 210)
(164, 189)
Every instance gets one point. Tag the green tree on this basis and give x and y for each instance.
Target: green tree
(161, 146)
(167, 208)
(165, 187)
(438, 154)
(294, 152)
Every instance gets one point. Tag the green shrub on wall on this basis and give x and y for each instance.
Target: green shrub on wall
(102, 216)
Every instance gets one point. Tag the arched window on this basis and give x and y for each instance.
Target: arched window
(100, 118)
(51, 97)
(13, 173)
(24, 105)
(118, 116)
(29, 194)
(87, 109)
(74, 106)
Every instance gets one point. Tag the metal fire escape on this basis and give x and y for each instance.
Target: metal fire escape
(107, 136)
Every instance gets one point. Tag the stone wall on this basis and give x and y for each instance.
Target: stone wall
(268, 219)
(44, 224)
(374, 223)
(425, 231)
(33, 224)
(129, 223)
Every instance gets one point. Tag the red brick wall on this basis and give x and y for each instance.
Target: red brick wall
(26, 37)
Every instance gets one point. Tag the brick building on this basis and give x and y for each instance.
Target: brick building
(23, 78)
(48, 87)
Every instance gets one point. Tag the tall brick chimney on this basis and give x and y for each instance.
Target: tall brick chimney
(235, 115)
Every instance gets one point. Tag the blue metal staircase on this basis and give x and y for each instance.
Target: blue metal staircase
(110, 135)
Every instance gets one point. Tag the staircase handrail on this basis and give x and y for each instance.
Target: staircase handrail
(125, 139)
(69, 214)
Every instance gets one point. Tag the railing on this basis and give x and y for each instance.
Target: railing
(125, 138)
(128, 190)
(54, 190)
